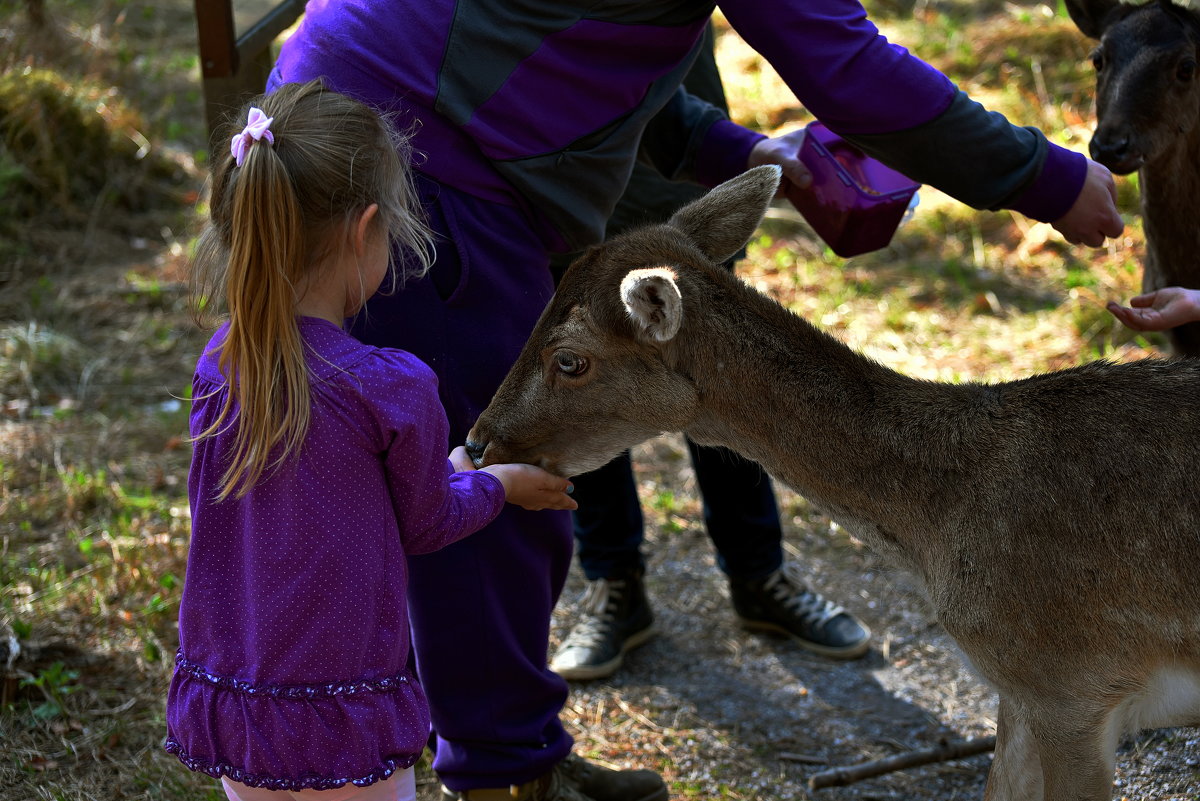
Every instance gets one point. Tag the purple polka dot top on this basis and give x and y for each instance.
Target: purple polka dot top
(293, 670)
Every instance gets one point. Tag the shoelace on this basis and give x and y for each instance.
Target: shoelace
(788, 586)
(598, 605)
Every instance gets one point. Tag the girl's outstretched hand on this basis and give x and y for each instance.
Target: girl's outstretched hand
(461, 460)
(532, 487)
(1159, 310)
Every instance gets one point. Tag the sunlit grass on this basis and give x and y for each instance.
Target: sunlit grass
(959, 294)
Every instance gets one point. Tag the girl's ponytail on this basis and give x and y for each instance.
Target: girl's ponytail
(282, 201)
(263, 357)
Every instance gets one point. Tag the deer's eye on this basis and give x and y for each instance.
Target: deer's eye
(1097, 60)
(569, 363)
(1186, 70)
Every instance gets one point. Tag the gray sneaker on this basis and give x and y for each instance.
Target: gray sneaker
(781, 602)
(574, 779)
(616, 618)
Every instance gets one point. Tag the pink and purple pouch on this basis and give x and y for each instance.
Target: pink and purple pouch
(855, 203)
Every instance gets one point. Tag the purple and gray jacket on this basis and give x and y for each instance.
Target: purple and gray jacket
(525, 101)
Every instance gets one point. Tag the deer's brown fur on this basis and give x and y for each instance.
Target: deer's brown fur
(1052, 520)
(1148, 121)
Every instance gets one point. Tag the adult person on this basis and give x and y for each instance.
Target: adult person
(740, 512)
(530, 117)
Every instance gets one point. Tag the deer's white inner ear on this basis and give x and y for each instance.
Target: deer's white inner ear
(652, 299)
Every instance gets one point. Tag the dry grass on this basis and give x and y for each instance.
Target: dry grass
(97, 345)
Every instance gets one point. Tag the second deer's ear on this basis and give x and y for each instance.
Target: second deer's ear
(723, 220)
(653, 301)
(1089, 15)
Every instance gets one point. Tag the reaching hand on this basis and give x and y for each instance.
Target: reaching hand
(784, 151)
(1094, 215)
(532, 487)
(1159, 310)
(461, 461)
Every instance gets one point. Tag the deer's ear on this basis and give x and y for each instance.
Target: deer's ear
(652, 299)
(1088, 15)
(725, 219)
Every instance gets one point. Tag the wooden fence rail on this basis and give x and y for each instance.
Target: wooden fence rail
(236, 67)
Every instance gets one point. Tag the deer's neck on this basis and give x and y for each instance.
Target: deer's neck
(1169, 187)
(859, 440)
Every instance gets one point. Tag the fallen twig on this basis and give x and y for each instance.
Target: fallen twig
(839, 777)
(808, 759)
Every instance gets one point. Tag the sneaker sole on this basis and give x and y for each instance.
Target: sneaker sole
(847, 652)
(606, 669)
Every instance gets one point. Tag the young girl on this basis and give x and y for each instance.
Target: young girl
(319, 464)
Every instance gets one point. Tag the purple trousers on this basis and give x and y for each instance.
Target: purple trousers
(480, 608)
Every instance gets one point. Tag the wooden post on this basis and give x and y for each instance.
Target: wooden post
(234, 68)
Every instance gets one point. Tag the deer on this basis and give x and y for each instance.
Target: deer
(1148, 122)
(1052, 521)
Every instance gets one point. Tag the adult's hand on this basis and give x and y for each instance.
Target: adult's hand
(1094, 215)
(1159, 310)
(784, 151)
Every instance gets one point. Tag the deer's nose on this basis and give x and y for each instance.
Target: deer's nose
(1108, 147)
(475, 451)
(1114, 151)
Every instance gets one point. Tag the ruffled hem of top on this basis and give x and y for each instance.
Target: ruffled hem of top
(294, 737)
(291, 692)
(270, 783)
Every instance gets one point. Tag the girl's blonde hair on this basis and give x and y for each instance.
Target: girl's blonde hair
(281, 214)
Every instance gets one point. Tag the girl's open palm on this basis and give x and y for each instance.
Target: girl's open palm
(532, 487)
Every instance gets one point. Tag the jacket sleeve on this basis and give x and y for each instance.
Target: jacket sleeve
(903, 111)
(434, 505)
(672, 140)
(1008, 167)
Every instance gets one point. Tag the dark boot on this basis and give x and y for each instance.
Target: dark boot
(574, 779)
(550, 787)
(605, 784)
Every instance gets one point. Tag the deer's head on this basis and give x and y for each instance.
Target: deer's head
(600, 372)
(1147, 80)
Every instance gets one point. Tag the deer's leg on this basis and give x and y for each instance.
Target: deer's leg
(1078, 752)
(1016, 773)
